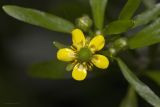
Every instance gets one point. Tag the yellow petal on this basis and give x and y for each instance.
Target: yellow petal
(79, 72)
(97, 43)
(66, 54)
(100, 61)
(78, 38)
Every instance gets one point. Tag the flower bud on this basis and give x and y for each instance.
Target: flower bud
(84, 23)
(98, 32)
(120, 43)
(112, 51)
(117, 46)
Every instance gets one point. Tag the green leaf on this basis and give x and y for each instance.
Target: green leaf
(154, 75)
(70, 66)
(142, 89)
(39, 18)
(147, 16)
(59, 45)
(118, 27)
(98, 11)
(130, 99)
(129, 9)
(148, 36)
(49, 70)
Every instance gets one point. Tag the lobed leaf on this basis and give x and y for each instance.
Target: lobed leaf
(148, 36)
(98, 10)
(142, 89)
(118, 27)
(129, 9)
(39, 18)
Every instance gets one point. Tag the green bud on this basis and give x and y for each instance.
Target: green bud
(84, 23)
(120, 43)
(117, 46)
(112, 51)
(84, 55)
(98, 32)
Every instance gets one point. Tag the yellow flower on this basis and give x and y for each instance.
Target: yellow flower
(83, 55)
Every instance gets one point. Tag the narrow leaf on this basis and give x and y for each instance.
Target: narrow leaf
(59, 45)
(118, 27)
(130, 100)
(147, 16)
(129, 9)
(39, 18)
(154, 75)
(98, 11)
(70, 66)
(148, 36)
(142, 89)
(49, 70)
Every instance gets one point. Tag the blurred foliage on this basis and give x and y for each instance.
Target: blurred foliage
(142, 89)
(149, 3)
(118, 27)
(154, 75)
(129, 9)
(51, 70)
(140, 30)
(148, 15)
(130, 100)
(39, 18)
(147, 36)
(98, 9)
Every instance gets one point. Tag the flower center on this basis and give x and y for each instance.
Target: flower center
(84, 55)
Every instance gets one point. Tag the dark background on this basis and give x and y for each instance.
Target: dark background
(22, 45)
